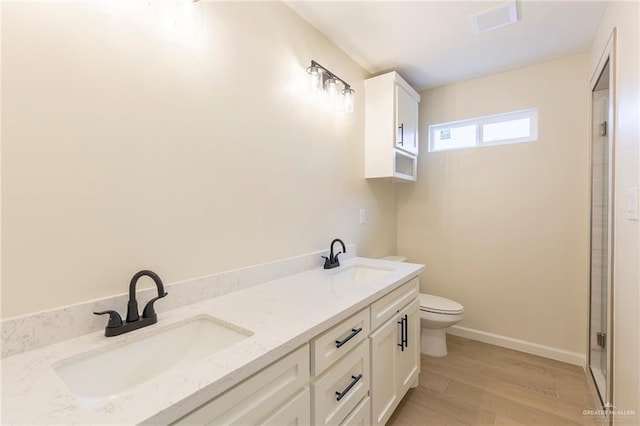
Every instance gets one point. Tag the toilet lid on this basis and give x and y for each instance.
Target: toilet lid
(436, 304)
(394, 258)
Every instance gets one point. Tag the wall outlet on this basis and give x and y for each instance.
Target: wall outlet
(363, 216)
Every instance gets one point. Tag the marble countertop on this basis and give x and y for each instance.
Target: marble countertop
(283, 314)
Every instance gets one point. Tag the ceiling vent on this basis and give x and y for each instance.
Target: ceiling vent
(497, 17)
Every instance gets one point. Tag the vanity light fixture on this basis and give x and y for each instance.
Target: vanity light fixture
(323, 80)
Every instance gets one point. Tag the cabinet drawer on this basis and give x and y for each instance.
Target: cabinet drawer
(361, 415)
(296, 411)
(348, 380)
(328, 347)
(252, 400)
(387, 306)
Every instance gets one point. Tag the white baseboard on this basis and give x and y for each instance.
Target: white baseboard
(519, 345)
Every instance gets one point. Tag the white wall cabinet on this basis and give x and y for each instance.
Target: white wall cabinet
(395, 351)
(391, 128)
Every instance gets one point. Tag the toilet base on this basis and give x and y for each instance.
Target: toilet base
(433, 342)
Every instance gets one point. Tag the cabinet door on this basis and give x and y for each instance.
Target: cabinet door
(408, 363)
(384, 374)
(406, 121)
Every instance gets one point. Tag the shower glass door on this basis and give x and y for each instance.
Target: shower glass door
(601, 243)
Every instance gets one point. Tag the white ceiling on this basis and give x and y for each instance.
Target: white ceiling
(432, 43)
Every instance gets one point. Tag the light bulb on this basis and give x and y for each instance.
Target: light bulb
(332, 89)
(315, 74)
(348, 99)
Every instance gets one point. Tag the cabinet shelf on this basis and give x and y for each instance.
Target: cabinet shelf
(404, 166)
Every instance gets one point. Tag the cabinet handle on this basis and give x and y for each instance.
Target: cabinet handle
(401, 127)
(401, 344)
(355, 380)
(405, 337)
(354, 331)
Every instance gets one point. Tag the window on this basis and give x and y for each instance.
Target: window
(511, 127)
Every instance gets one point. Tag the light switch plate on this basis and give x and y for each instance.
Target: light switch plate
(363, 216)
(632, 203)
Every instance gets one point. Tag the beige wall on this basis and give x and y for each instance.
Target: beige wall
(625, 16)
(124, 150)
(504, 229)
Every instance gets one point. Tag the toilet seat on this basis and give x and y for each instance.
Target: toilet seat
(439, 305)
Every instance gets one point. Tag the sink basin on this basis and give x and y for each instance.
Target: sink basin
(116, 368)
(360, 274)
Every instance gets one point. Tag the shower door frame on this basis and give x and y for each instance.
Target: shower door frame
(608, 57)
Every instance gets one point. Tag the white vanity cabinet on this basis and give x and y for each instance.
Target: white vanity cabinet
(391, 128)
(275, 394)
(395, 349)
(346, 375)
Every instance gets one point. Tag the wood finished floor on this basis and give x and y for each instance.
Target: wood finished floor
(481, 384)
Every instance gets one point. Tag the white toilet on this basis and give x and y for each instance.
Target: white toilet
(436, 315)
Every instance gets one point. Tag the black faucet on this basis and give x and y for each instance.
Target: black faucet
(115, 326)
(332, 261)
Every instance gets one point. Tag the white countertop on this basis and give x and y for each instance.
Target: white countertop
(283, 314)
